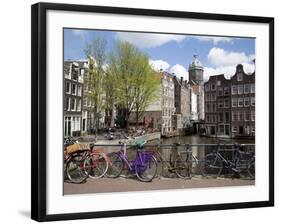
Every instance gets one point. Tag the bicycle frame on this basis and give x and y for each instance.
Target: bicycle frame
(139, 162)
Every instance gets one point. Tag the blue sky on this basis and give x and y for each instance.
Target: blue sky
(172, 52)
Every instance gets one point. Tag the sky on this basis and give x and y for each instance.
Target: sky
(172, 52)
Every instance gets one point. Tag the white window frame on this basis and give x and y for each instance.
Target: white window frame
(220, 103)
(235, 128)
(253, 101)
(253, 115)
(234, 102)
(240, 87)
(245, 116)
(252, 88)
(238, 102)
(246, 86)
(234, 90)
(246, 99)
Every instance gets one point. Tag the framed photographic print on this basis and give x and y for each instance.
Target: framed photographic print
(139, 111)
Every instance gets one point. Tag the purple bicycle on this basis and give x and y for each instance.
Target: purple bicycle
(144, 166)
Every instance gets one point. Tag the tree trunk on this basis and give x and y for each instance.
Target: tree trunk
(111, 119)
(137, 119)
(127, 115)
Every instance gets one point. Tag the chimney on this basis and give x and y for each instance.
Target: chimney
(181, 80)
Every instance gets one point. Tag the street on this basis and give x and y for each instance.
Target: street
(123, 184)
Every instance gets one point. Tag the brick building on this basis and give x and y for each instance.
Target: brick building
(243, 103)
(230, 105)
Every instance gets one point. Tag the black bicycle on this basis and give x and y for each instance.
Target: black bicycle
(241, 163)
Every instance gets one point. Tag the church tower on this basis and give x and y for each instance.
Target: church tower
(195, 71)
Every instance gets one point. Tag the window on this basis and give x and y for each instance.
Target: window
(213, 87)
(66, 106)
(226, 129)
(220, 91)
(246, 88)
(234, 128)
(213, 97)
(208, 107)
(253, 101)
(234, 90)
(214, 108)
(253, 130)
(246, 101)
(240, 89)
(226, 91)
(247, 115)
(72, 104)
(67, 87)
(79, 105)
(252, 88)
(74, 73)
(247, 130)
(221, 129)
(220, 104)
(240, 116)
(239, 77)
(240, 102)
(220, 117)
(234, 102)
(234, 116)
(207, 88)
(226, 116)
(253, 115)
(226, 103)
(208, 97)
(79, 90)
(73, 89)
(218, 83)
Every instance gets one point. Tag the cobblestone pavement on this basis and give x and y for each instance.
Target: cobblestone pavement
(123, 184)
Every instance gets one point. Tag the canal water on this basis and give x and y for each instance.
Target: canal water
(196, 139)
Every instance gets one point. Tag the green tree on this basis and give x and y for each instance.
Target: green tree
(94, 78)
(146, 86)
(133, 79)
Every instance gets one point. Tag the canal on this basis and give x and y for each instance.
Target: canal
(196, 139)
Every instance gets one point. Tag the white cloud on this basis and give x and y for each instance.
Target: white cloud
(179, 71)
(215, 40)
(157, 65)
(78, 32)
(228, 71)
(148, 40)
(221, 57)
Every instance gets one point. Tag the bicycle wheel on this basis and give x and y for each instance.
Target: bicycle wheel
(183, 166)
(211, 166)
(74, 169)
(147, 171)
(252, 170)
(95, 165)
(116, 165)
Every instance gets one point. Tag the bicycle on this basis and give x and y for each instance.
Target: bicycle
(213, 163)
(86, 162)
(144, 166)
(192, 162)
(177, 163)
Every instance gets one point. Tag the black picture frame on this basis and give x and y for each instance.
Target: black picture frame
(38, 108)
